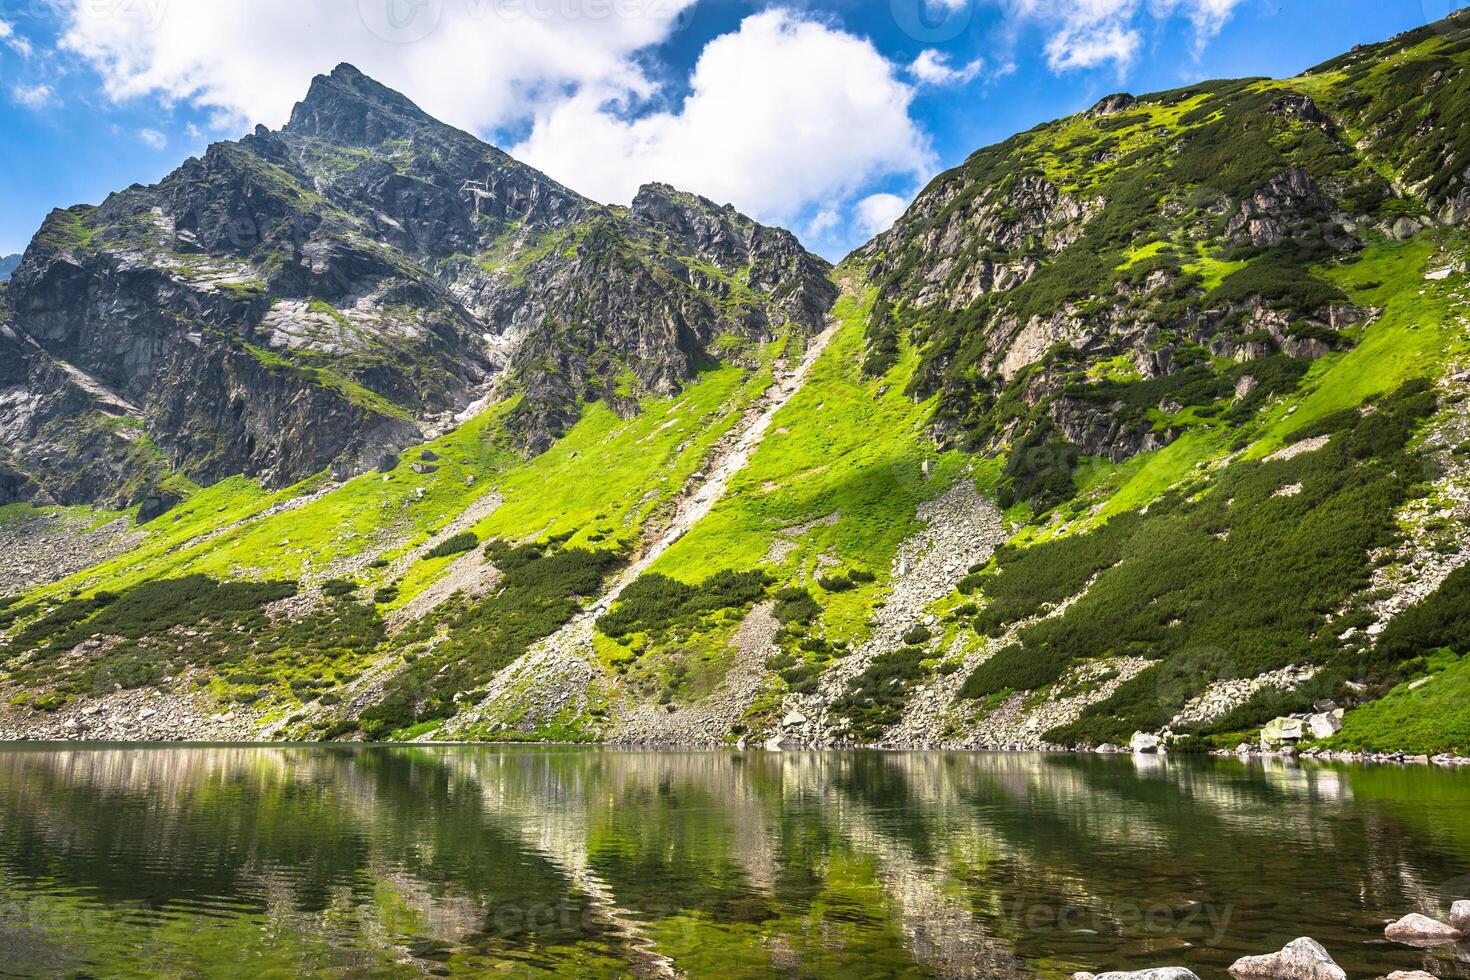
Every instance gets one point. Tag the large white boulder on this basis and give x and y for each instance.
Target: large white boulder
(1302, 959)
(1326, 724)
(1281, 731)
(1420, 930)
(1144, 742)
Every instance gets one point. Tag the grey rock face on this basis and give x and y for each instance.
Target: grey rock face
(1265, 217)
(1111, 105)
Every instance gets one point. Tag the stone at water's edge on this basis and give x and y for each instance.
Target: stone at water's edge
(1411, 975)
(1280, 730)
(1460, 916)
(1302, 959)
(1143, 742)
(1415, 929)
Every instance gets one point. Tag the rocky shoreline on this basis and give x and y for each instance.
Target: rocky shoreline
(1306, 959)
(150, 722)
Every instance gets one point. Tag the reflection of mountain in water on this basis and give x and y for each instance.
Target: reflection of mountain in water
(604, 863)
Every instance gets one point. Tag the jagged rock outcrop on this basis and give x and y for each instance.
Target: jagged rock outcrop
(1265, 217)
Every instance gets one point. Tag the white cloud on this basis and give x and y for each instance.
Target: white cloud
(478, 64)
(34, 96)
(877, 212)
(933, 67)
(1094, 33)
(782, 114)
(14, 41)
(823, 223)
(1091, 46)
(153, 138)
(1209, 17)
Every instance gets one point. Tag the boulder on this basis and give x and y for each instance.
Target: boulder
(1302, 959)
(1410, 975)
(1460, 917)
(1107, 748)
(1143, 742)
(794, 719)
(429, 456)
(1279, 731)
(1420, 930)
(1326, 724)
(1110, 105)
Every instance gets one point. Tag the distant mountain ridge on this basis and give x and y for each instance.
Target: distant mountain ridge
(8, 264)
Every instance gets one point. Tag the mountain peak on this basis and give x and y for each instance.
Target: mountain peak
(349, 107)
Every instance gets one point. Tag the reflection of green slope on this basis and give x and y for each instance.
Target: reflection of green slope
(345, 860)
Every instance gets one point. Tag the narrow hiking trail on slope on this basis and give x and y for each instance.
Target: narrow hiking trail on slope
(560, 668)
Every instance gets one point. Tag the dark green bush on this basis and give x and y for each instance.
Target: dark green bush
(654, 602)
(795, 605)
(454, 545)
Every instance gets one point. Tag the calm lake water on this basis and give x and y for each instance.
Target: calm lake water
(387, 861)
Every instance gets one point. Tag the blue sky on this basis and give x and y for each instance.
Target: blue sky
(822, 115)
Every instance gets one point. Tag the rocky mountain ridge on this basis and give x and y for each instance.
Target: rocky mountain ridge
(329, 293)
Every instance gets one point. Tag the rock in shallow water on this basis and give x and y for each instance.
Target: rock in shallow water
(1460, 916)
(1302, 959)
(1419, 930)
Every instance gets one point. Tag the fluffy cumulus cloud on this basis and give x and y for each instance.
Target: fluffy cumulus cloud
(475, 63)
(782, 113)
(877, 212)
(153, 139)
(933, 67)
(1095, 33)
